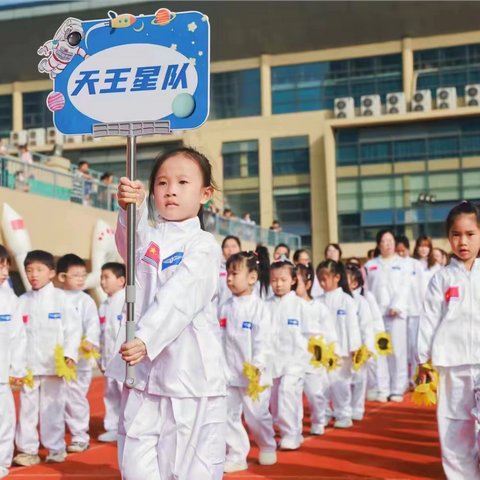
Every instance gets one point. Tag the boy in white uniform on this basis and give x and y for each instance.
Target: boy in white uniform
(50, 320)
(13, 343)
(113, 283)
(72, 273)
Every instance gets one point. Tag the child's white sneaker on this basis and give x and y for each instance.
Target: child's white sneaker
(78, 447)
(3, 472)
(231, 467)
(58, 457)
(396, 398)
(382, 399)
(357, 417)
(26, 460)
(267, 458)
(345, 423)
(289, 444)
(317, 429)
(372, 397)
(328, 420)
(108, 437)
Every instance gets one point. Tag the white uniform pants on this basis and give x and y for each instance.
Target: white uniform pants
(340, 390)
(258, 419)
(316, 390)
(458, 404)
(412, 330)
(7, 425)
(45, 401)
(359, 391)
(164, 438)
(287, 406)
(77, 408)
(112, 399)
(398, 361)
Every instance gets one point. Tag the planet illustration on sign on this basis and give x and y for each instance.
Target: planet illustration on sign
(183, 105)
(163, 17)
(55, 101)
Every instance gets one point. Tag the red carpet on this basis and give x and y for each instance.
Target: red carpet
(394, 441)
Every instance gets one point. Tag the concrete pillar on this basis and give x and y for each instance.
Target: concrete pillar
(407, 68)
(266, 85)
(17, 107)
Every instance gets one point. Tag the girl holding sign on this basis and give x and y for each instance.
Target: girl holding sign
(173, 423)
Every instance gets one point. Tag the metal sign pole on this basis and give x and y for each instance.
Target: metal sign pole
(131, 131)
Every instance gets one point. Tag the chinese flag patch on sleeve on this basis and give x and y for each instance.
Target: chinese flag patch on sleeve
(452, 294)
(223, 322)
(152, 255)
(25, 318)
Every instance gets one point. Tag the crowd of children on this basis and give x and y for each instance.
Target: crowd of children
(247, 337)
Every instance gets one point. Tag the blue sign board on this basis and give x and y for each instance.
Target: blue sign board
(129, 68)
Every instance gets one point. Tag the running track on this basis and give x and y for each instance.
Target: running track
(394, 441)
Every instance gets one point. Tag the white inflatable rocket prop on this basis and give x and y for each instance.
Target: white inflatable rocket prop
(17, 239)
(104, 250)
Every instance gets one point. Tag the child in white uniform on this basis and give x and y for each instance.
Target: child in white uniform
(245, 323)
(339, 301)
(449, 336)
(423, 252)
(13, 342)
(316, 378)
(302, 257)
(72, 273)
(230, 246)
(388, 280)
(113, 284)
(50, 320)
(173, 423)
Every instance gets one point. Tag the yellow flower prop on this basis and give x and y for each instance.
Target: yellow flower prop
(360, 358)
(63, 370)
(27, 380)
(334, 360)
(383, 343)
(321, 352)
(87, 355)
(254, 388)
(426, 393)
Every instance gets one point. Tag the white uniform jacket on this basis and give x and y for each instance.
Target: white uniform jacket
(428, 274)
(223, 293)
(246, 328)
(377, 318)
(365, 320)
(449, 330)
(389, 283)
(50, 319)
(418, 286)
(177, 271)
(13, 339)
(343, 309)
(87, 310)
(111, 314)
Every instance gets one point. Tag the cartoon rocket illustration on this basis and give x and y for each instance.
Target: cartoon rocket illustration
(116, 21)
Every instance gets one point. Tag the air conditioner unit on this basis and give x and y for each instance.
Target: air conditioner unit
(36, 137)
(472, 95)
(54, 137)
(73, 139)
(396, 103)
(18, 137)
(447, 97)
(370, 106)
(344, 107)
(422, 101)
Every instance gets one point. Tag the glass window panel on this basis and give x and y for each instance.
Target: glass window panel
(443, 147)
(409, 150)
(471, 185)
(240, 159)
(293, 210)
(35, 111)
(244, 202)
(290, 156)
(347, 155)
(347, 196)
(375, 192)
(445, 186)
(375, 153)
(6, 117)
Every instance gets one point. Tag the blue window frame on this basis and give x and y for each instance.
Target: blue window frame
(240, 159)
(290, 156)
(35, 111)
(6, 117)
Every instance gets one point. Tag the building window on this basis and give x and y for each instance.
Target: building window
(241, 203)
(235, 94)
(314, 86)
(293, 211)
(35, 111)
(448, 67)
(290, 156)
(6, 119)
(240, 159)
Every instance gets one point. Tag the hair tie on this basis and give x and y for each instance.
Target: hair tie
(255, 253)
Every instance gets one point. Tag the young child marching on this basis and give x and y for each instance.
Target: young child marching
(54, 331)
(316, 378)
(173, 423)
(339, 301)
(231, 245)
(112, 281)
(13, 342)
(72, 273)
(449, 340)
(245, 324)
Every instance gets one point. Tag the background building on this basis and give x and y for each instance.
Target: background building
(277, 68)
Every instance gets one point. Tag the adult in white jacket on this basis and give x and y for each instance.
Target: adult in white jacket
(449, 336)
(173, 423)
(13, 343)
(389, 281)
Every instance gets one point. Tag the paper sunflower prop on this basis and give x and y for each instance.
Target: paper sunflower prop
(87, 355)
(426, 393)
(383, 342)
(360, 357)
(27, 380)
(253, 375)
(333, 360)
(321, 352)
(63, 370)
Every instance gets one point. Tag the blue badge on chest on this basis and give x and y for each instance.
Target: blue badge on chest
(119, 317)
(341, 312)
(54, 316)
(174, 259)
(247, 325)
(396, 268)
(5, 318)
(292, 321)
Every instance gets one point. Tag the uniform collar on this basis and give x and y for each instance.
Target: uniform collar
(187, 226)
(112, 298)
(45, 290)
(357, 292)
(459, 264)
(288, 295)
(334, 292)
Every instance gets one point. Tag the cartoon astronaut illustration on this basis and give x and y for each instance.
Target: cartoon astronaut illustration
(61, 50)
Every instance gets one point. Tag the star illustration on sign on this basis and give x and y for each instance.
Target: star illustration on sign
(200, 54)
(192, 61)
(192, 27)
(173, 46)
(204, 18)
